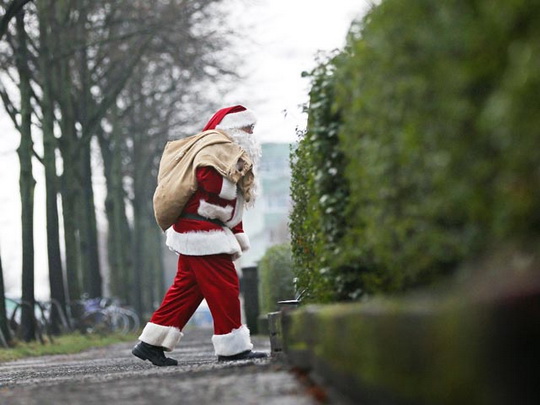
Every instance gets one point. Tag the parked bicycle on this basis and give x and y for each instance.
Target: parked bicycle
(104, 315)
(88, 315)
(14, 308)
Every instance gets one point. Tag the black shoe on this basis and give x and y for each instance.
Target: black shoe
(247, 355)
(155, 354)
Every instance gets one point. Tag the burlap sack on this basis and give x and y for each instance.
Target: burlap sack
(176, 178)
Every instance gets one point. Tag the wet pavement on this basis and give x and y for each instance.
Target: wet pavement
(112, 375)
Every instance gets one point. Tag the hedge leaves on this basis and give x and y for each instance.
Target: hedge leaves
(423, 146)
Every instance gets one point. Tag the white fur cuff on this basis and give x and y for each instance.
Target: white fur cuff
(158, 335)
(214, 211)
(243, 241)
(237, 341)
(238, 212)
(228, 190)
(203, 243)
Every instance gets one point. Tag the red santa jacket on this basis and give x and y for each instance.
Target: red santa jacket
(216, 199)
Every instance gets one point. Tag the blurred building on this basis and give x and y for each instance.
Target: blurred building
(266, 222)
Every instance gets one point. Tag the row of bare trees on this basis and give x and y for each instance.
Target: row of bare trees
(118, 77)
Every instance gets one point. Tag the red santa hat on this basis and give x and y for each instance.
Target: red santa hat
(234, 117)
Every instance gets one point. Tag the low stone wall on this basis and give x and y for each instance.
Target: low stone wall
(478, 345)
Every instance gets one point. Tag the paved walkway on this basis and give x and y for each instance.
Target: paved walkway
(112, 375)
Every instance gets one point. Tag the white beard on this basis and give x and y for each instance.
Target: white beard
(253, 148)
(248, 143)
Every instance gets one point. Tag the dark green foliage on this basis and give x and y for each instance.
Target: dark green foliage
(438, 121)
(276, 278)
(436, 98)
(320, 195)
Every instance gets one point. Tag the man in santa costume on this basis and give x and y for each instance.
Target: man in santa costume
(204, 183)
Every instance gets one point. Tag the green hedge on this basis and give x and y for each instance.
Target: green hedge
(437, 108)
(276, 278)
(320, 196)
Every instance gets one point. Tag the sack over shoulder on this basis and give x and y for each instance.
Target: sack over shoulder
(177, 180)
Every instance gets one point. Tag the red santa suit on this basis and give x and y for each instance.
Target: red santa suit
(208, 236)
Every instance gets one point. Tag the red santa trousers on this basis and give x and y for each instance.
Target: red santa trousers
(214, 278)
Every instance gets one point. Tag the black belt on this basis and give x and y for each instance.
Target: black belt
(201, 218)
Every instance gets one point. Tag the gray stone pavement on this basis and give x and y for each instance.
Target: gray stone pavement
(112, 375)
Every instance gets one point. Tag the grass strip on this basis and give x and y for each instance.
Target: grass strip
(65, 344)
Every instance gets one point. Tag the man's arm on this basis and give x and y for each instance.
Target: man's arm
(212, 182)
(241, 237)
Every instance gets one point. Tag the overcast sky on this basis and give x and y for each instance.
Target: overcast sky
(283, 38)
(286, 36)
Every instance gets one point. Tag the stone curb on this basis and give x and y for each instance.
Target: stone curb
(466, 347)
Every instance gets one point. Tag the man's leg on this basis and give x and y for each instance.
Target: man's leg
(181, 300)
(163, 331)
(219, 284)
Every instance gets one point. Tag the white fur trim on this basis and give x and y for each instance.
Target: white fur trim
(158, 335)
(243, 241)
(237, 120)
(228, 190)
(203, 243)
(214, 211)
(237, 341)
(238, 212)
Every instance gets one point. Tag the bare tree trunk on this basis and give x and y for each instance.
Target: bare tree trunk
(71, 235)
(138, 258)
(149, 271)
(56, 273)
(27, 184)
(160, 265)
(119, 236)
(156, 256)
(148, 260)
(92, 280)
(69, 186)
(88, 229)
(70, 182)
(3, 315)
(142, 274)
